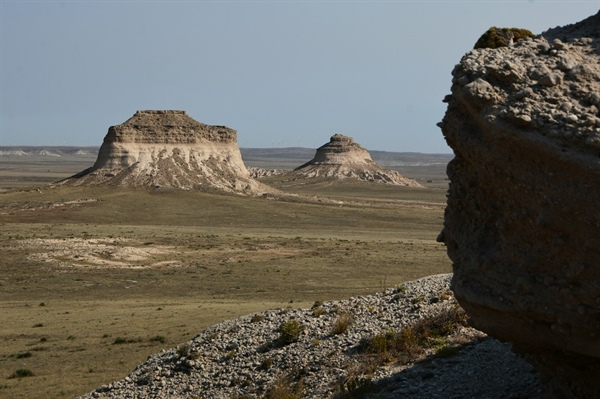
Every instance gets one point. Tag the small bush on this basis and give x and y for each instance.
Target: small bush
(23, 355)
(317, 304)
(318, 311)
(21, 373)
(266, 364)
(342, 323)
(183, 350)
(257, 318)
(289, 332)
(38, 325)
(446, 295)
(418, 299)
(447, 351)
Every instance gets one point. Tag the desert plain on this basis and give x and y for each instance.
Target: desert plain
(94, 280)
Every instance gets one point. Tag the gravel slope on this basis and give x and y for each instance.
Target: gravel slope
(244, 358)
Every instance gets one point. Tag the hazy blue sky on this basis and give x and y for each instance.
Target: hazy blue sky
(282, 73)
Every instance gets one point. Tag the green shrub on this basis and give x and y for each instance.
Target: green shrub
(289, 332)
(500, 37)
(183, 350)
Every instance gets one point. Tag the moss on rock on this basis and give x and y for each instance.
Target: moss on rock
(501, 37)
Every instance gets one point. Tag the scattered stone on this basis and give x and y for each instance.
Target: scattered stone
(244, 358)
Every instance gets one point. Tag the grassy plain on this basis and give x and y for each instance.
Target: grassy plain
(95, 280)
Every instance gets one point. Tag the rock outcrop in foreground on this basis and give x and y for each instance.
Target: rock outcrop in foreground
(170, 149)
(522, 224)
(343, 158)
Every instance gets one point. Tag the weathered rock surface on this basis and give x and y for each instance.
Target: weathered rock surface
(343, 158)
(256, 172)
(522, 224)
(170, 149)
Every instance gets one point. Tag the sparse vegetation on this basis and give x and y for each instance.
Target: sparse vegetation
(354, 385)
(158, 338)
(266, 364)
(341, 323)
(286, 387)
(122, 340)
(183, 350)
(21, 373)
(318, 311)
(413, 340)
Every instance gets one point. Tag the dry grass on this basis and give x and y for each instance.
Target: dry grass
(224, 256)
(342, 324)
(415, 339)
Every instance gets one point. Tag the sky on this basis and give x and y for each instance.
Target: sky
(281, 73)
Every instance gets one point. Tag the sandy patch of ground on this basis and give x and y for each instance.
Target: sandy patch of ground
(99, 253)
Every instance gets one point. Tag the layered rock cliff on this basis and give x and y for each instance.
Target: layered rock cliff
(522, 225)
(170, 149)
(343, 158)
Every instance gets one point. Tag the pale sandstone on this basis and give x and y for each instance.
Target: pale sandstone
(161, 149)
(343, 158)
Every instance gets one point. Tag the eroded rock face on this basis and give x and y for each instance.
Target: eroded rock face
(170, 149)
(343, 158)
(522, 225)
